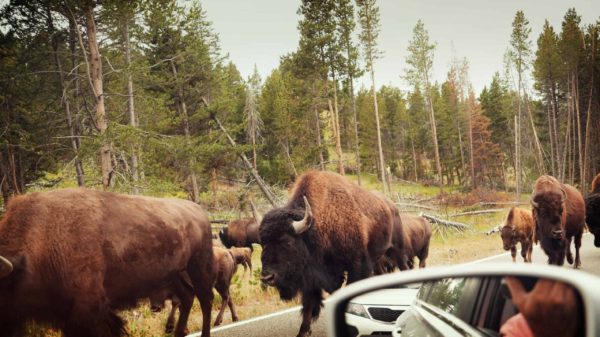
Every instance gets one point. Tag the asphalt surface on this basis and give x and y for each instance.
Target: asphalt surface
(286, 323)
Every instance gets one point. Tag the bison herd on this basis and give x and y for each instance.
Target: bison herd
(73, 258)
(557, 218)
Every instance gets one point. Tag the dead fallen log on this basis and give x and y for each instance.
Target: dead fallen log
(220, 221)
(502, 203)
(495, 229)
(485, 211)
(405, 204)
(261, 184)
(439, 221)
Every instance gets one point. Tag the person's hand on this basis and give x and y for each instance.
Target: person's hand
(550, 308)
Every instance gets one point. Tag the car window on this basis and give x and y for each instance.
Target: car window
(445, 294)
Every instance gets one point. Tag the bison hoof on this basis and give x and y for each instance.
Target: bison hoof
(183, 333)
(169, 328)
(217, 322)
(235, 319)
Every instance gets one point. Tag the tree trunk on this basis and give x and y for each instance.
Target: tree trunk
(551, 134)
(318, 128)
(131, 108)
(66, 103)
(579, 134)
(471, 154)
(186, 132)
(588, 122)
(379, 147)
(412, 144)
(517, 166)
(538, 145)
(95, 64)
(557, 146)
(338, 142)
(355, 122)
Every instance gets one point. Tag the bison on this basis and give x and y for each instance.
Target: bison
(242, 256)
(224, 268)
(72, 257)
(329, 226)
(592, 208)
(417, 234)
(242, 232)
(559, 215)
(518, 227)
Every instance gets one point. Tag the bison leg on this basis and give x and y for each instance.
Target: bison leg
(224, 292)
(568, 249)
(202, 278)
(423, 256)
(311, 308)
(185, 300)
(97, 321)
(171, 319)
(513, 253)
(529, 252)
(577, 246)
(234, 316)
(525, 251)
(360, 270)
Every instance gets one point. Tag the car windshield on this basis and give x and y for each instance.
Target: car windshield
(216, 167)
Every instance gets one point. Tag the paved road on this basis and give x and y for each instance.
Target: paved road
(286, 323)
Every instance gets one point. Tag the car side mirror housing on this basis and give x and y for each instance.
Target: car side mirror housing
(482, 300)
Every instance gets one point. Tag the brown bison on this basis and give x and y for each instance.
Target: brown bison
(559, 214)
(71, 257)
(518, 228)
(242, 256)
(329, 226)
(224, 268)
(592, 208)
(242, 232)
(417, 234)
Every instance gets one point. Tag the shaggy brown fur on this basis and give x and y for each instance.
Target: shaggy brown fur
(242, 256)
(596, 184)
(349, 230)
(518, 227)
(592, 209)
(224, 267)
(417, 234)
(240, 233)
(80, 254)
(559, 215)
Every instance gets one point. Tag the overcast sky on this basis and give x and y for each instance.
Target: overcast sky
(260, 31)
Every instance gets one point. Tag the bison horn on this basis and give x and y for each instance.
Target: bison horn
(303, 225)
(534, 204)
(255, 213)
(5, 267)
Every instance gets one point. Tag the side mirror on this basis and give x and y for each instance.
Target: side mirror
(466, 301)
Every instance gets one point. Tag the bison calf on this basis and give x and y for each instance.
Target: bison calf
(559, 215)
(224, 268)
(242, 256)
(518, 228)
(417, 234)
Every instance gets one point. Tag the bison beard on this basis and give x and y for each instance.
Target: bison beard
(559, 214)
(307, 252)
(78, 255)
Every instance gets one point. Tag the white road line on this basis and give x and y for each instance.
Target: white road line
(297, 308)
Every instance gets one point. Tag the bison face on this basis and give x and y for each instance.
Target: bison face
(286, 254)
(224, 238)
(508, 237)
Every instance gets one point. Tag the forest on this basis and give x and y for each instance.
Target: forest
(139, 97)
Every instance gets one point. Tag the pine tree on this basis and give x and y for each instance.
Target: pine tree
(420, 61)
(369, 21)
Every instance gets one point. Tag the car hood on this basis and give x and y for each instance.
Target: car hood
(387, 297)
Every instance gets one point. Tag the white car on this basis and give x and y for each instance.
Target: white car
(375, 313)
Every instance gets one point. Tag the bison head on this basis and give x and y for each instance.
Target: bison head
(225, 238)
(548, 211)
(285, 253)
(6, 267)
(508, 237)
